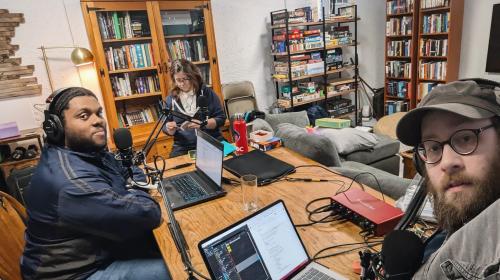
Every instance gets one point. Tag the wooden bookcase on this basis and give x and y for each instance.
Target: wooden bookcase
(419, 62)
(134, 43)
(400, 52)
(332, 80)
(431, 44)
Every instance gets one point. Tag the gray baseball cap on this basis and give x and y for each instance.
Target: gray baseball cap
(465, 98)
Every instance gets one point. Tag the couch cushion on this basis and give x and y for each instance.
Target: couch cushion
(313, 146)
(297, 118)
(385, 147)
(348, 140)
(260, 124)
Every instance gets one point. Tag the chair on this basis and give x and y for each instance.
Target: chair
(13, 224)
(239, 97)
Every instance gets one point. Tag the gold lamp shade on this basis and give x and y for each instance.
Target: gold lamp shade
(81, 56)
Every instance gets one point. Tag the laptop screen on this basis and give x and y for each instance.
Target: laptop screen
(263, 246)
(209, 156)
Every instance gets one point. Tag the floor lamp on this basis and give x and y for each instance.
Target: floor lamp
(79, 56)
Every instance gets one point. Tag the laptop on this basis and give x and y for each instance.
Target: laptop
(202, 184)
(262, 246)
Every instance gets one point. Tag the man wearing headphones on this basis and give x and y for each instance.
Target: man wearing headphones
(456, 134)
(82, 221)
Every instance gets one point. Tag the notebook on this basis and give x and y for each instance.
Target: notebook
(264, 245)
(265, 167)
(205, 182)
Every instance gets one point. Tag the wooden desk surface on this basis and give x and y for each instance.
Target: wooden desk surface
(200, 221)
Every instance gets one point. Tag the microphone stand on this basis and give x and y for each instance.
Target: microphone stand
(156, 177)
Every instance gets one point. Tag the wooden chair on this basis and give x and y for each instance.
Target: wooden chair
(12, 226)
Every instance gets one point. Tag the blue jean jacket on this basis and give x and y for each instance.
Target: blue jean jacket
(472, 252)
(78, 209)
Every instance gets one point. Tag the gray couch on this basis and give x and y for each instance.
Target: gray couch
(382, 160)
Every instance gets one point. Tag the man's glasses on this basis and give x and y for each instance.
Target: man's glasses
(463, 142)
(182, 80)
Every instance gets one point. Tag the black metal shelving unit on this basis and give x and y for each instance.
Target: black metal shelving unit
(323, 25)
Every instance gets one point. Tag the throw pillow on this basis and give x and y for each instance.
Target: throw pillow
(297, 118)
(260, 124)
(348, 140)
(313, 146)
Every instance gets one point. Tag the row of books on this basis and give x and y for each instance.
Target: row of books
(300, 40)
(129, 56)
(425, 4)
(122, 86)
(436, 23)
(399, 7)
(121, 25)
(139, 116)
(398, 89)
(206, 73)
(398, 69)
(424, 89)
(298, 15)
(433, 47)
(399, 26)
(392, 107)
(433, 70)
(192, 50)
(399, 48)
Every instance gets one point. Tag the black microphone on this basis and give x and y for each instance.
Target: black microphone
(202, 103)
(125, 154)
(402, 254)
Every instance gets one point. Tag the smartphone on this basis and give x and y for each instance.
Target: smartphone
(192, 154)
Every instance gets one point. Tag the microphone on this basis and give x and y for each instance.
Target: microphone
(203, 105)
(401, 255)
(123, 140)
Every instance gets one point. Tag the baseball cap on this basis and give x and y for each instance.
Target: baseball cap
(465, 98)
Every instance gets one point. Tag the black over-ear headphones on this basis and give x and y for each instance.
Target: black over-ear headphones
(52, 125)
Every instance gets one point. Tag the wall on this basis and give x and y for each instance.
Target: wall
(244, 38)
(475, 39)
(45, 24)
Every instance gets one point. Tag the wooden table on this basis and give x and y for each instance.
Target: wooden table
(200, 221)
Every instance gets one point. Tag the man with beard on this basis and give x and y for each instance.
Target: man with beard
(83, 223)
(456, 134)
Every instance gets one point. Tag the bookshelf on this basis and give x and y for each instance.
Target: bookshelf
(400, 55)
(311, 59)
(423, 41)
(134, 43)
(439, 43)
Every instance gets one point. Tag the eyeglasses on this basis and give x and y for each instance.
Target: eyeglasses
(463, 142)
(182, 80)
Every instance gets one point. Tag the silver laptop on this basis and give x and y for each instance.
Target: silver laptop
(262, 246)
(205, 182)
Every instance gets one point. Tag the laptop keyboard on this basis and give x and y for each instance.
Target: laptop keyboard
(314, 274)
(188, 188)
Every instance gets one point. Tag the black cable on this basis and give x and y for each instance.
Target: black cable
(320, 209)
(361, 185)
(371, 244)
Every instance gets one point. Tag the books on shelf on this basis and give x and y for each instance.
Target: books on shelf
(398, 89)
(399, 26)
(399, 48)
(206, 74)
(398, 69)
(392, 107)
(122, 25)
(122, 86)
(190, 49)
(432, 47)
(129, 56)
(436, 23)
(399, 7)
(138, 116)
(424, 89)
(426, 4)
(301, 40)
(433, 70)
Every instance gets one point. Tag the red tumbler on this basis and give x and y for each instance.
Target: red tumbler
(240, 134)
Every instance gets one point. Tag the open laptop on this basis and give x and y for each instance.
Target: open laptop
(262, 246)
(205, 182)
